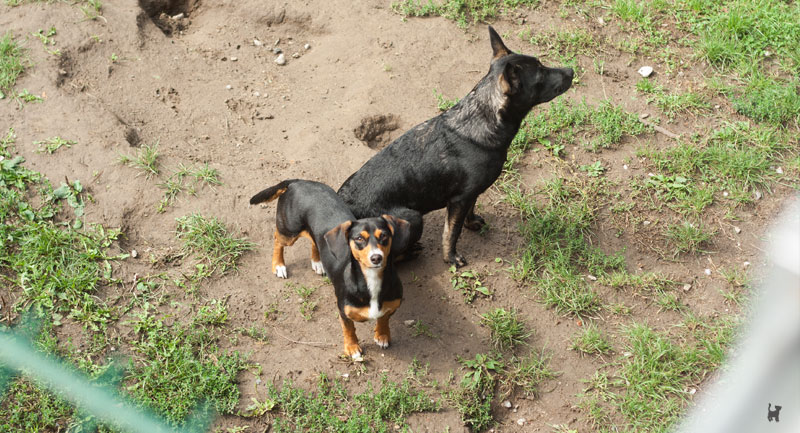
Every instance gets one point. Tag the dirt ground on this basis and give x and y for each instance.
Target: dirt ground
(206, 88)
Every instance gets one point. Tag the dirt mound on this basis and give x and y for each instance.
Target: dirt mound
(171, 16)
(376, 130)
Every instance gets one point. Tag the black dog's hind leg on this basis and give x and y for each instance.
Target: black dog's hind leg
(414, 219)
(456, 214)
(472, 221)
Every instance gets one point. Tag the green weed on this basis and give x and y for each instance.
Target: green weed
(442, 103)
(506, 328)
(146, 160)
(463, 12)
(210, 240)
(688, 237)
(526, 374)
(12, 63)
(53, 144)
(333, 409)
(178, 366)
(469, 284)
(591, 341)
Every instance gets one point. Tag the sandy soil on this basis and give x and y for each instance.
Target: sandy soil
(205, 91)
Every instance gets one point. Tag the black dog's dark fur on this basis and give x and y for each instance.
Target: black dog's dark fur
(312, 209)
(449, 160)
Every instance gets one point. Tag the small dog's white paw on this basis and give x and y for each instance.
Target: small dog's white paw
(318, 268)
(357, 357)
(382, 343)
(280, 272)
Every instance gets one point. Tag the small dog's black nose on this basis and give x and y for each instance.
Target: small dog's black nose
(376, 259)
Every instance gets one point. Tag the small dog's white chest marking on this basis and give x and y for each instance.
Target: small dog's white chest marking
(374, 281)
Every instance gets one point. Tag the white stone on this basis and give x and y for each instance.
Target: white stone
(257, 43)
(507, 404)
(307, 46)
(521, 421)
(707, 271)
(134, 253)
(281, 59)
(645, 71)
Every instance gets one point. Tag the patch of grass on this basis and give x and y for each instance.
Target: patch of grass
(211, 241)
(526, 374)
(557, 249)
(591, 341)
(593, 170)
(650, 388)
(176, 183)
(177, 366)
(473, 397)
(770, 100)
(565, 44)
(333, 409)
(463, 12)
(506, 328)
(214, 313)
(735, 159)
(26, 96)
(28, 408)
(52, 144)
(146, 160)
(469, 284)
(688, 237)
(12, 63)
(55, 267)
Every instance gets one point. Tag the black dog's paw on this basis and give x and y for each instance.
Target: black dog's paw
(475, 223)
(457, 259)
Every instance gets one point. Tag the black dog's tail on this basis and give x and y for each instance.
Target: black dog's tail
(272, 192)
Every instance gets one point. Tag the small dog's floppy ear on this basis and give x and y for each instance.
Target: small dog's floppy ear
(401, 232)
(336, 239)
(498, 47)
(508, 80)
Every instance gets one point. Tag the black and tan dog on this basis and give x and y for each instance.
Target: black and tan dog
(449, 160)
(354, 253)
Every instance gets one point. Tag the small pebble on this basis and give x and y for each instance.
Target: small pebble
(307, 46)
(134, 253)
(724, 193)
(521, 421)
(645, 71)
(625, 166)
(627, 354)
(257, 43)
(745, 264)
(707, 271)
(408, 322)
(692, 391)
(687, 287)
(647, 223)
(277, 50)
(779, 170)
(233, 59)
(281, 60)
(296, 55)
(737, 229)
(757, 194)
(591, 277)
(178, 17)
(507, 404)
(346, 375)
(229, 87)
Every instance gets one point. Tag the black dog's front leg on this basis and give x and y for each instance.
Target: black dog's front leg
(456, 213)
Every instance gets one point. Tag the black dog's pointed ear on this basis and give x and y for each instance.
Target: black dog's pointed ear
(508, 80)
(401, 232)
(336, 239)
(498, 47)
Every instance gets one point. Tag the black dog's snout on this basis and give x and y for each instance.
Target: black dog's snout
(376, 259)
(569, 72)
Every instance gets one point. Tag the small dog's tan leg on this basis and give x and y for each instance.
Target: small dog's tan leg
(351, 347)
(382, 333)
(316, 262)
(278, 264)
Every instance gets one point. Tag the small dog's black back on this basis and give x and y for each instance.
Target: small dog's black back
(450, 159)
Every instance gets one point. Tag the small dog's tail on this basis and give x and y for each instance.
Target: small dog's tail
(272, 192)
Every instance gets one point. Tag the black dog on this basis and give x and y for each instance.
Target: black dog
(355, 254)
(449, 160)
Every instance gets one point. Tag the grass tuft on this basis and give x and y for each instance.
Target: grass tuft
(506, 328)
(211, 241)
